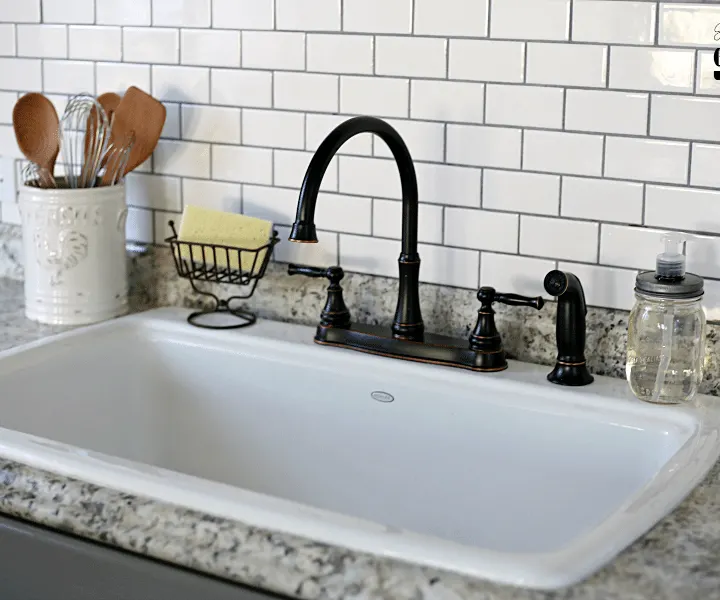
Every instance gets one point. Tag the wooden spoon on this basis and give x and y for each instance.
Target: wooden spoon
(142, 115)
(36, 126)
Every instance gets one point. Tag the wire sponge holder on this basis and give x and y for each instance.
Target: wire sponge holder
(215, 263)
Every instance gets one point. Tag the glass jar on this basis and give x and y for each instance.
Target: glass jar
(666, 348)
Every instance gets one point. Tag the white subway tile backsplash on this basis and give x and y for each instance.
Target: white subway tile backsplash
(532, 193)
(686, 118)
(387, 221)
(340, 53)
(449, 266)
(215, 48)
(376, 256)
(67, 77)
(117, 77)
(123, 12)
(290, 167)
(604, 286)
(524, 106)
(191, 159)
(682, 208)
(152, 45)
(212, 194)
(642, 159)
(426, 141)
(448, 184)
(181, 13)
(139, 226)
(411, 56)
(12, 11)
(630, 247)
(530, 19)
(306, 91)
(376, 177)
(211, 124)
(519, 274)
(322, 253)
(273, 128)
(181, 84)
(704, 166)
(377, 16)
(382, 97)
(608, 21)
(7, 40)
(581, 65)
(308, 15)
(606, 111)
(484, 146)
(339, 212)
(553, 133)
(688, 25)
(447, 100)
(62, 11)
(451, 17)
(242, 164)
(318, 127)
(272, 204)
(153, 191)
(486, 60)
(235, 87)
(273, 50)
(559, 238)
(41, 41)
(243, 14)
(22, 74)
(652, 69)
(602, 199)
(481, 229)
(559, 152)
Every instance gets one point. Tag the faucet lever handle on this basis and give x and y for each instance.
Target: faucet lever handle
(335, 313)
(487, 295)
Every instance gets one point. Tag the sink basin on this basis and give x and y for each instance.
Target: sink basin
(497, 476)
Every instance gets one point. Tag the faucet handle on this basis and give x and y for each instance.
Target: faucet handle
(485, 339)
(488, 295)
(335, 313)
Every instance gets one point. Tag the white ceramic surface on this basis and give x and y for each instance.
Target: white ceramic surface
(75, 260)
(502, 476)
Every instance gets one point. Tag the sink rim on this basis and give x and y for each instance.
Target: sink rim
(539, 570)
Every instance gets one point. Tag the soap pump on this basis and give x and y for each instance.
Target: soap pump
(666, 329)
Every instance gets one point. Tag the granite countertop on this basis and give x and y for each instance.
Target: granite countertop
(678, 559)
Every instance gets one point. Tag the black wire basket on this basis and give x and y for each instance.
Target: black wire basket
(214, 263)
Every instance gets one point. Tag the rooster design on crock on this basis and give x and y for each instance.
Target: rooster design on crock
(59, 252)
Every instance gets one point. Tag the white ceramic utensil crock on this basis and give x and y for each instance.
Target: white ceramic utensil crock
(74, 245)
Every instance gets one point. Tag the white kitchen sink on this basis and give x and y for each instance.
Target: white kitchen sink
(499, 476)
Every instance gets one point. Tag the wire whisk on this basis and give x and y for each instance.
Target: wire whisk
(84, 138)
(116, 159)
(34, 175)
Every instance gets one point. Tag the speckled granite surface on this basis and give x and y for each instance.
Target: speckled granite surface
(678, 560)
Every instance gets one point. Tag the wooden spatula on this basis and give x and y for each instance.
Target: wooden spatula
(140, 114)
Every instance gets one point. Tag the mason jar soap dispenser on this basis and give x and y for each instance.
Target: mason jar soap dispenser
(666, 329)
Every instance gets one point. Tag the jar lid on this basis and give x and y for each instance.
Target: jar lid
(690, 286)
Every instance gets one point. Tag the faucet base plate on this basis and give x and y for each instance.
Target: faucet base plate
(434, 349)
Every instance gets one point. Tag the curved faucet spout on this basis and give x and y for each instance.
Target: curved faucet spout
(408, 322)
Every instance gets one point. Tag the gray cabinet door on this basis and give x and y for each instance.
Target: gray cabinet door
(40, 564)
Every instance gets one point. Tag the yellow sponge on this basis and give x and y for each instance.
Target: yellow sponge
(208, 226)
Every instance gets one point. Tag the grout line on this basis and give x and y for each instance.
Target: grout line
(522, 149)
(657, 24)
(602, 157)
(599, 238)
(690, 162)
(564, 109)
(644, 202)
(607, 67)
(571, 18)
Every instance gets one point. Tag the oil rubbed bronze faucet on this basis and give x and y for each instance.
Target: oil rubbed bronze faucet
(406, 338)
